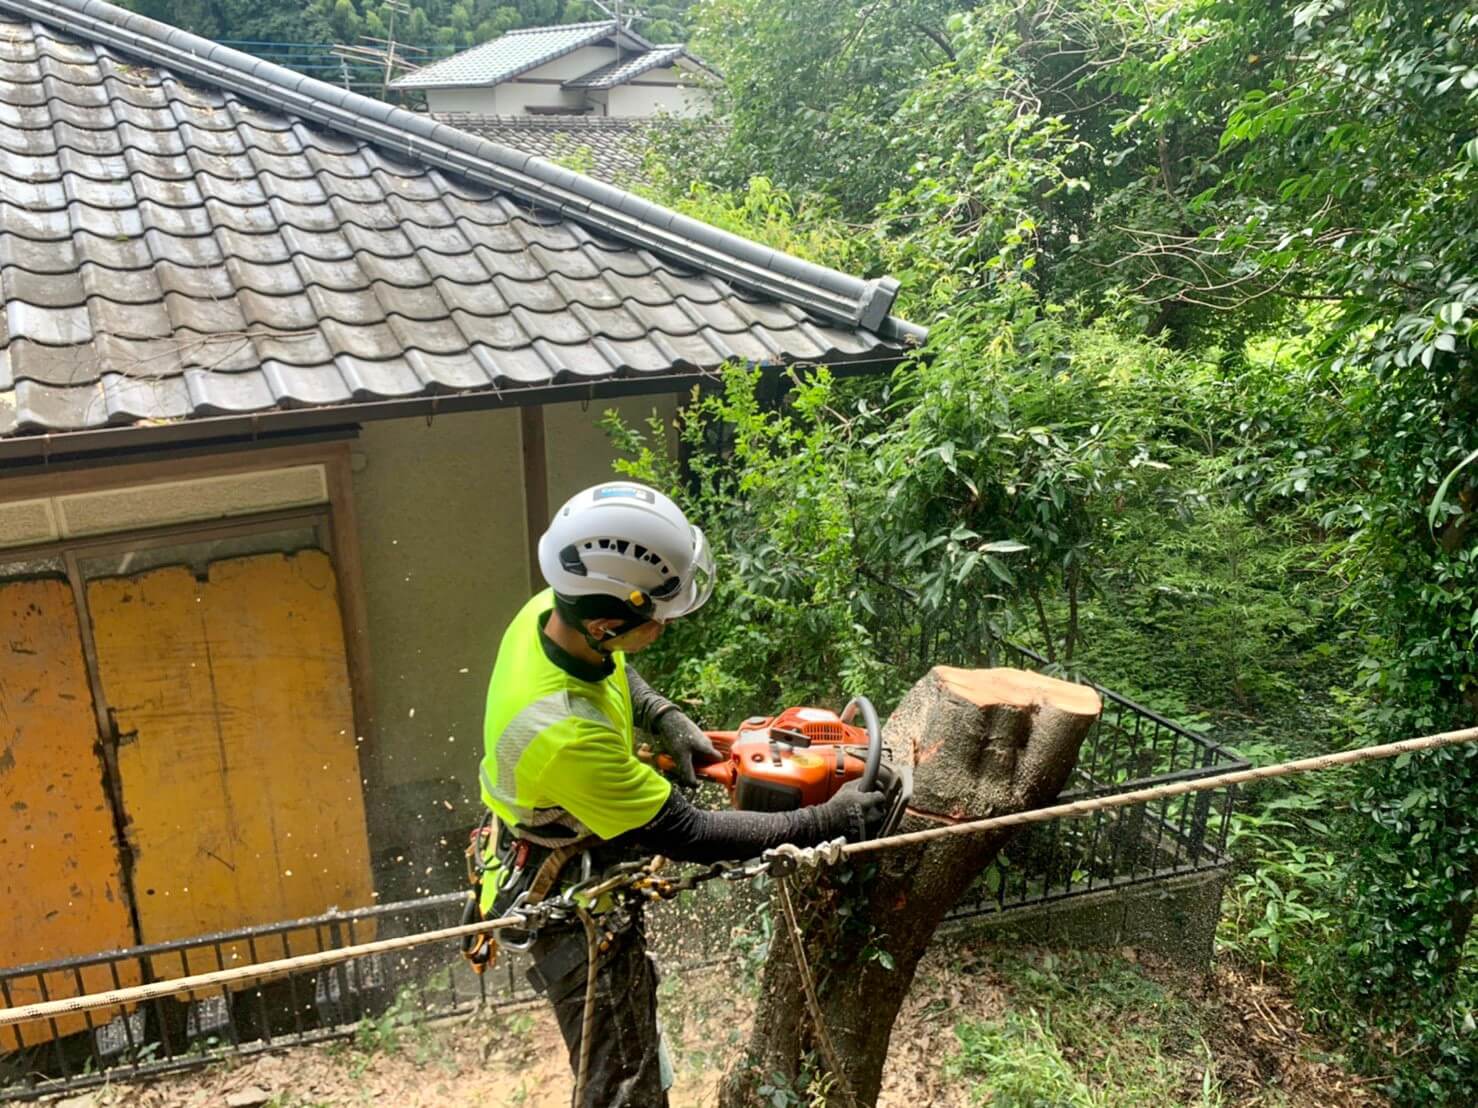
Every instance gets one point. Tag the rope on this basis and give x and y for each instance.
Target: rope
(790, 855)
(1160, 792)
(587, 1017)
(135, 994)
(808, 986)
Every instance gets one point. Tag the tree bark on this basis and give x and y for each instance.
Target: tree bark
(981, 743)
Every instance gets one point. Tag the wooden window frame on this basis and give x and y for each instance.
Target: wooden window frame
(336, 515)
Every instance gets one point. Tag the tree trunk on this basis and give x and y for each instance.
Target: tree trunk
(981, 743)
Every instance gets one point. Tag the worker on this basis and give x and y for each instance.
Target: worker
(560, 772)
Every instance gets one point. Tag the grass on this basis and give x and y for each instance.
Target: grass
(1086, 1030)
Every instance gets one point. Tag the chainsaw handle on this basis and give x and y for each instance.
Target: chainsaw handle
(717, 772)
(868, 782)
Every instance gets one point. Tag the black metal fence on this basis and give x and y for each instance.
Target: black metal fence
(1129, 747)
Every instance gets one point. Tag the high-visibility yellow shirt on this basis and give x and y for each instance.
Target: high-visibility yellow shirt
(559, 749)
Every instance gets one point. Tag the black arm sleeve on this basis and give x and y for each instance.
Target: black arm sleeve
(687, 833)
(647, 704)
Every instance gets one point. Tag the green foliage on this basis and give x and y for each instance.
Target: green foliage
(1202, 281)
(1089, 1030)
(436, 25)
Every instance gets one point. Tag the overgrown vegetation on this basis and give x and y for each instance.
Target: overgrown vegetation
(1197, 415)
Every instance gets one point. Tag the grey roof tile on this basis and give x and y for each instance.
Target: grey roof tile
(140, 358)
(359, 307)
(223, 351)
(21, 141)
(310, 217)
(40, 406)
(182, 249)
(326, 246)
(116, 223)
(129, 399)
(407, 272)
(479, 298)
(499, 331)
(270, 280)
(37, 255)
(306, 386)
(374, 341)
(215, 393)
(513, 53)
(455, 371)
(52, 326)
(370, 379)
(518, 366)
(423, 302)
(338, 276)
(52, 365)
(305, 348)
(435, 336)
(278, 312)
(88, 140)
(262, 249)
(149, 140)
(46, 290)
(169, 250)
(48, 225)
(205, 315)
(370, 241)
(631, 67)
(147, 320)
(208, 281)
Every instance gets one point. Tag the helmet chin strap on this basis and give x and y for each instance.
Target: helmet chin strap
(570, 612)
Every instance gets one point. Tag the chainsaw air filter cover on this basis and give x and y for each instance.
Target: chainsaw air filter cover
(792, 760)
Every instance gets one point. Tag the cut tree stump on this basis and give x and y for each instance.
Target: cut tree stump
(981, 743)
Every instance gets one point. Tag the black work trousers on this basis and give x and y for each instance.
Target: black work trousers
(625, 1070)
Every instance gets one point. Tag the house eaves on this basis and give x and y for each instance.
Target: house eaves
(629, 69)
(826, 292)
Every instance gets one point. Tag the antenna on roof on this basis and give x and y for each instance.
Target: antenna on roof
(622, 24)
(383, 53)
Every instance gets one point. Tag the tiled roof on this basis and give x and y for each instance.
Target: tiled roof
(511, 54)
(610, 148)
(171, 250)
(608, 76)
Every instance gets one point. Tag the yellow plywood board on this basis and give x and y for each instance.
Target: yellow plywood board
(238, 759)
(61, 880)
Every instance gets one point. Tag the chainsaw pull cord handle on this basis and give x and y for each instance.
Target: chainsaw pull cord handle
(868, 782)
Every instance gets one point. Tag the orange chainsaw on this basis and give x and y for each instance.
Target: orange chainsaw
(802, 757)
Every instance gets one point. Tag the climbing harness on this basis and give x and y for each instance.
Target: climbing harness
(645, 882)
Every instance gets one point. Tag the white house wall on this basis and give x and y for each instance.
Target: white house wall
(659, 91)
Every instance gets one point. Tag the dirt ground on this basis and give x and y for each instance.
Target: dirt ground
(1249, 1031)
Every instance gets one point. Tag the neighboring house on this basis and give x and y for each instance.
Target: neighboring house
(600, 69)
(290, 382)
(603, 147)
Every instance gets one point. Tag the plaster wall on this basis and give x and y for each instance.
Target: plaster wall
(440, 513)
(675, 95)
(577, 452)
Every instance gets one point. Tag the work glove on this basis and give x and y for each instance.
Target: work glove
(854, 814)
(685, 741)
(677, 735)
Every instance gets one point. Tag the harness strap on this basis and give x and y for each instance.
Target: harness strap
(548, 872)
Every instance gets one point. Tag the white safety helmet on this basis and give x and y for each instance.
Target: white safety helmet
(629, 542)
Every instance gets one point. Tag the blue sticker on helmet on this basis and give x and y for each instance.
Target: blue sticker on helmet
(608, 493)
